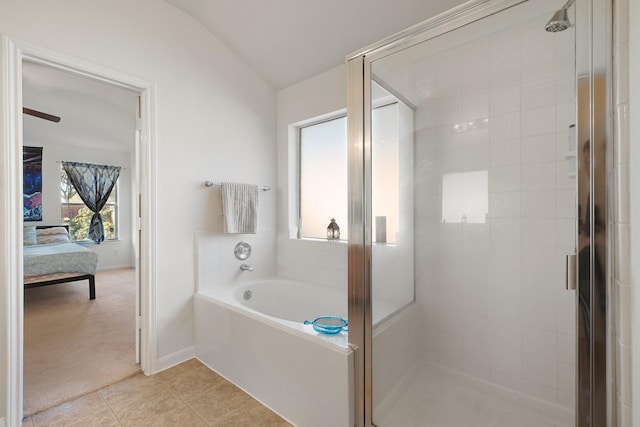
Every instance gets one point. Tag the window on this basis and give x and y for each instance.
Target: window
(323, 177)
(465, 197)
(77, 216)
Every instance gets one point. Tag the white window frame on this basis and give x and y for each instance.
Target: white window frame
(299, 128)
(297, 212)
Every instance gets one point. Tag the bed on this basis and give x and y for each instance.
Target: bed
(51, 258)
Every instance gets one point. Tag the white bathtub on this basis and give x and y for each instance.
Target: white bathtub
(291, 300)
(261, 345)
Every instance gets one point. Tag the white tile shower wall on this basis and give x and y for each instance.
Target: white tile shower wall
(493, 302)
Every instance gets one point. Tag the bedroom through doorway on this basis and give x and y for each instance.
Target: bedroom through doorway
(73, 344)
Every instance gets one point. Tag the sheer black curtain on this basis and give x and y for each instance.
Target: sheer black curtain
(94, 184)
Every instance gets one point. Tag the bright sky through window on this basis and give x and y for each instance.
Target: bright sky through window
(323, 177)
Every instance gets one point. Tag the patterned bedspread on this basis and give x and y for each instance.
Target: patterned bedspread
(59, 258)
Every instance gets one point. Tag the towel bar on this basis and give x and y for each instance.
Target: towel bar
(211, 184)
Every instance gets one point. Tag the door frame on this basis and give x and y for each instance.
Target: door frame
(598, 361)
(12, 52)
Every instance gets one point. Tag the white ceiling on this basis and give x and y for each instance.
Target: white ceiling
(287, 41)
(93, 114)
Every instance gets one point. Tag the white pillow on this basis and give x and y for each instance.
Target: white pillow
(52, 235)
(30, 236)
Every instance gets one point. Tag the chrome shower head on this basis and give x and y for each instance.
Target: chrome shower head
(560, 20)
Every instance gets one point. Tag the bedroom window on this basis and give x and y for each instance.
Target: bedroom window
(77, 216)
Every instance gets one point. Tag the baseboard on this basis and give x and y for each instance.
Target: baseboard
(173, 359)
(112, 267)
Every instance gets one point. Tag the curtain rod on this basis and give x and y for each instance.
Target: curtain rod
(217, 184)
(122, 168)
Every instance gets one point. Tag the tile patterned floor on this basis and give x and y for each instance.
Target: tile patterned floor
(186, 395)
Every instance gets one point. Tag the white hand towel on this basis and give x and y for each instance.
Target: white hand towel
(240, 208)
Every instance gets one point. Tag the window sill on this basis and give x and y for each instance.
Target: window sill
(319, 240)
(341, 241)
(385, 244)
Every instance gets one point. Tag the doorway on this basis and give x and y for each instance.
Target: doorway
(14, 52)
(73, 345)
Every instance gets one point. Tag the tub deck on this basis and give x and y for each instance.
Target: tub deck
(294, 370)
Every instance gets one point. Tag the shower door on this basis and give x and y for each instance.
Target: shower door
(471, 194)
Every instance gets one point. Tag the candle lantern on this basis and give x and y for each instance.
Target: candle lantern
(333, 230)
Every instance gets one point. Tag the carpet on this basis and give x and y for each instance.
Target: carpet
(74, 346)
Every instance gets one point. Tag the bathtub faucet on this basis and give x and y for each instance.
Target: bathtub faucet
(246, 267)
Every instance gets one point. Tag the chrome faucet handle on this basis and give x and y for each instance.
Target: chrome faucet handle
(246, 267)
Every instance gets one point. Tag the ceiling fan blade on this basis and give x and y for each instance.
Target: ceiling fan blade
(40, 115)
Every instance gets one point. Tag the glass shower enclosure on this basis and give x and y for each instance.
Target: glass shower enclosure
(473, 209)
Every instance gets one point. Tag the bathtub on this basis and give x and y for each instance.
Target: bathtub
(253, 335)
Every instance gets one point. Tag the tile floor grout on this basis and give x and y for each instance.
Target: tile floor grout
(183, 401)
(106, 402)
(188, 394)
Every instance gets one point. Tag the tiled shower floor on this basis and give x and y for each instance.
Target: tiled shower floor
(433, 399)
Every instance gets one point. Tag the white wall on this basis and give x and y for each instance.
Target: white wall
(216, 264)
(620, 220)
(632, 412)
(315, 261)
(111, 254)
(215, 120)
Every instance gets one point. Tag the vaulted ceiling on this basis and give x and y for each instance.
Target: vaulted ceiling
(94, 114)
(287, 41)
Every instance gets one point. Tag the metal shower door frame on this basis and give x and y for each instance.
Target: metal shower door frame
(598, 361)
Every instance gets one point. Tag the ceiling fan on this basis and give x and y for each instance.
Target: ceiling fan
(40, 114)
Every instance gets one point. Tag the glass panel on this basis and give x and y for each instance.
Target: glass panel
(391, 203)
(385, 173)
(486, 195)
